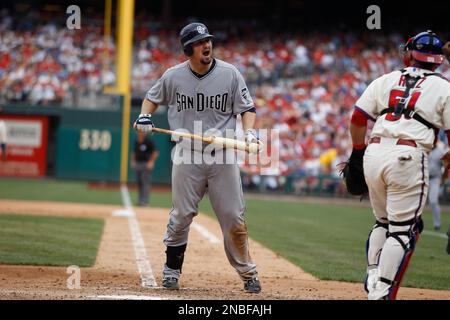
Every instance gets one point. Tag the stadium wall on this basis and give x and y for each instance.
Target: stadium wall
(85, 144)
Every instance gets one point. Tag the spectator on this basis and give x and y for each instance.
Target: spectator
(304, 84)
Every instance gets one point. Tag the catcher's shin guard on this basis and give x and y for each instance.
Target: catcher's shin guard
(175, 257)
(414, 234)
(374, 244)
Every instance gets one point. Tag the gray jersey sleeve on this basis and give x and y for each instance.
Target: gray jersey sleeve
(242, 98)
(435, 162)
(158, 93)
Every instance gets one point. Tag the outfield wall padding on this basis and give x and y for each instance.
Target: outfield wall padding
(86, 144)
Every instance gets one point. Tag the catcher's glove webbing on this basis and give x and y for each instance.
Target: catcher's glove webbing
(353, 173)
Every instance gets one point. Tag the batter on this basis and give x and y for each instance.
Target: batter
(206, 93)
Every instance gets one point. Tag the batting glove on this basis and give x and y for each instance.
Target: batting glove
(144, 123)
(250, 136)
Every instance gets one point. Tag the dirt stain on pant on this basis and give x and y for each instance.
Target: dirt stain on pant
(239, 238)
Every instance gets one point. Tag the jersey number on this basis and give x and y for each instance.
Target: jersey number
(395, 97)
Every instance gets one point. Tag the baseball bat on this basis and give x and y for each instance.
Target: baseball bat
(219, 141)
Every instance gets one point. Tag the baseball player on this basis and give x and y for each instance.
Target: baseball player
(211, 92)
(408, 106)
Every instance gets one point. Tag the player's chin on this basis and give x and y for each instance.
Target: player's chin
(206, 59)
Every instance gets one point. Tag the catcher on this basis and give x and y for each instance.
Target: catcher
(408, 107)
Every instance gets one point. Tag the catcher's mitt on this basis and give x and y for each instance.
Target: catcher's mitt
(353, 173)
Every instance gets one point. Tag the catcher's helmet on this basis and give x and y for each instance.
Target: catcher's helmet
(191, 33)
(425, 47)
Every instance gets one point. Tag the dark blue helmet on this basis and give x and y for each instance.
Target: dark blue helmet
(425, 47)
(191, 33)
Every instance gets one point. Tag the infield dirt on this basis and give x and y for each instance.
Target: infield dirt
(206, 272)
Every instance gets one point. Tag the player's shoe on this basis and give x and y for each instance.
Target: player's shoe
(171, 283)
(252, 285)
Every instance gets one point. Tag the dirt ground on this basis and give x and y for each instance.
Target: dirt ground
(206, 272)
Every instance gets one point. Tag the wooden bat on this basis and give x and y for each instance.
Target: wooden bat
(219, 141)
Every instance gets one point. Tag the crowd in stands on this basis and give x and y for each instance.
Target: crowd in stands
(303, 84)
(43, 64)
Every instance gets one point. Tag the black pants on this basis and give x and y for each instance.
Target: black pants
(143, 177)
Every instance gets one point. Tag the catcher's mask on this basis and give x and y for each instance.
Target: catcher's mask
(425, 47)
(192, 33)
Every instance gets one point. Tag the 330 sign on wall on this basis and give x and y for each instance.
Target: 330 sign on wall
(95, 140)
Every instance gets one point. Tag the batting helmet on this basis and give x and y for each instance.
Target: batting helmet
(425, 47)
(191, 33)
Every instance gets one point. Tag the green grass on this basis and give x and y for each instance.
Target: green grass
(55, 190)
(69, 191)
(49, 241)
(327, 241)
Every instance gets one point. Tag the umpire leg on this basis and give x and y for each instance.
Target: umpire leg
(146, 185)
(140, 167)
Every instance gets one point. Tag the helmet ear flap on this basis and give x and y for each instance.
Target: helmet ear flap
(188, 50)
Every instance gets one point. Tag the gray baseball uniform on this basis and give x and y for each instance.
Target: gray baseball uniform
(435, 168)
(214, 99)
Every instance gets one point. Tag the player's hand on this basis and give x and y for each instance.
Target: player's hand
(353, 173)
(144, 123)
(446, 50)
(150, 165)
(250, 137)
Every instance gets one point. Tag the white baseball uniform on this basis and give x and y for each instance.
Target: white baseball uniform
(396, 171)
